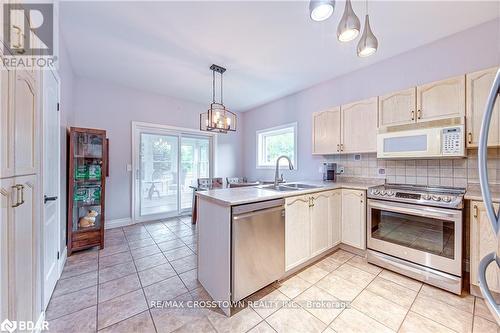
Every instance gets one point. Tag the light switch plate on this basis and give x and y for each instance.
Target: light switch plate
(129, 167)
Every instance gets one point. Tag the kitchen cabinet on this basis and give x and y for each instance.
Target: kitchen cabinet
(335, 218)
(478, 89)
(320, 222)
(359, 126)
(397, 108)
(441, 99)
(326, 131)
(354, 218)
(482, 242)
(6, 123)
(297, 231)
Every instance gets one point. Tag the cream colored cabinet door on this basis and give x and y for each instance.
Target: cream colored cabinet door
(297, 231)
(5, 211)
(359, 126)
(478, 90)
(441, 99)
(6, 123)
(354, 218)
(397, 108)
(482, 242)
(320, 221)
(326, 131)
(25, 104)
(335, 218)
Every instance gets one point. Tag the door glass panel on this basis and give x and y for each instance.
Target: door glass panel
(430, 235)
(158, 174)
(195, 163)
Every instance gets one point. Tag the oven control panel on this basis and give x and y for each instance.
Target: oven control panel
(452, 141)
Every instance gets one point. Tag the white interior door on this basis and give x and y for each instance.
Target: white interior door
(51, 177)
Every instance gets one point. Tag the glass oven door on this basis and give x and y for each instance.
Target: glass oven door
(424, 235)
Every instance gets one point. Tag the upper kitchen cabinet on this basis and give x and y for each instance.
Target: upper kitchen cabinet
(359, 126)
(478, 89)
(397, 108)
(441, 99)
(326, 131)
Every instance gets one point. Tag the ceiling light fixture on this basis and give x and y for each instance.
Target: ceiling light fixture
(320, 10)
(217, 118)
(349, 25)
(368, 44)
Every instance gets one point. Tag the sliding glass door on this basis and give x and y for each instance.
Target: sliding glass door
(167, 163)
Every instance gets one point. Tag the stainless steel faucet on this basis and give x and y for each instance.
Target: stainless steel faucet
(277, 178)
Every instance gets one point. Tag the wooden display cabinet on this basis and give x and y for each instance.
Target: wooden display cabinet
(88, 160)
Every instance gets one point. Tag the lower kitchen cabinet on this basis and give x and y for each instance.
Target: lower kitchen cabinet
(482, 242)
(297, 231)
(354, 218)
(335, 218)
(320, 220)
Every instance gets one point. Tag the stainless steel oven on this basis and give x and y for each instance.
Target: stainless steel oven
(419, 240)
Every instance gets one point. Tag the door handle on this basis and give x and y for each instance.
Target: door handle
(47, 199)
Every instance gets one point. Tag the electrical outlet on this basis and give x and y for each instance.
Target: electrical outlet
(381, 171)
(340, 169)
(129, 167)
(357, 157)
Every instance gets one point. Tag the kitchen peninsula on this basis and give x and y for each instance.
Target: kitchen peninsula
(249, 237)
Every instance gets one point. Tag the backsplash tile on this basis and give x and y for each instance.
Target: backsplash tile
(437, 172)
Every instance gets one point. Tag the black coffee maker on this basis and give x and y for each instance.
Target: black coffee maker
(329, 172)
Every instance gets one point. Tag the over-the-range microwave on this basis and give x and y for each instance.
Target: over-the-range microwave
(433, 139)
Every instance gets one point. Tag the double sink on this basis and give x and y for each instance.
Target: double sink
(289, 187)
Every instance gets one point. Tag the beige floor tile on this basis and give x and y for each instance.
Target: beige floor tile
(344, 290)
(293, 286)
(146, 251)
(169, 320)
(115, 241)
(118, 287)
(340, 256)
(156, 274)
(141, 322)
(138, 236)
(313, 274)
(351, 320)
(170, 244)
(165, 290)
(354, 275)
(190, 279)
(164, 238)
(200, 294)
(78, 268)
(447, 315)
(292, 318)
(150, 261)
(482, 310)
(113, 249)
(82, 321)
(361, 263)
(386, 312)
(392, 291)
(185, 264)
(120, 308)
(239, 322)
(114, 259)
(482, 325)
(464, 302)
(82, 256)
(201, 325)
(75, 283)
(141, 243)
(263, 327)
(117, 271)
(401, 280)
(178, 253)
(320, 304)
(189, 240)
(327, 264)
(415, 323)
(267, 301)
(72, 302)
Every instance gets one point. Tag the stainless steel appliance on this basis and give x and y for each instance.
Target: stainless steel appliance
(258, 246)
(329, 172)
(493, 216)
(431, 139)
(417, 231)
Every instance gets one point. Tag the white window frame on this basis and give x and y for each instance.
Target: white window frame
(270, 131)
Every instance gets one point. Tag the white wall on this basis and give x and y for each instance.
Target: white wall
(470, 50)
(113, 108)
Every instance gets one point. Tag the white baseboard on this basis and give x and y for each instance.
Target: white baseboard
(117, 223)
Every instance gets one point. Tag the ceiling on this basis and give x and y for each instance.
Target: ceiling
(270, 49)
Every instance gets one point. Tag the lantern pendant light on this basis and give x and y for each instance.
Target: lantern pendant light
(320, 10)
(368, 44)
(349, 25)
(218, 118)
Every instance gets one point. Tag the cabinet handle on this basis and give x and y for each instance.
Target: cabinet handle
(22, 194)
(469, 137)
(341, 147)
(412, 115)
(19, 195)
(419, 114)
(338, 147)
(475, 211)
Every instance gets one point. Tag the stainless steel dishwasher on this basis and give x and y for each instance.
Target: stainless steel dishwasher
(258, 246)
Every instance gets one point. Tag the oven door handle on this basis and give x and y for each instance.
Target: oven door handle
(420, 211)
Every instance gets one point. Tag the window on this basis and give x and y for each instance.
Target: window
(274, 142)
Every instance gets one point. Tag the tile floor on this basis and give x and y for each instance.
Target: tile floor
(111, 291)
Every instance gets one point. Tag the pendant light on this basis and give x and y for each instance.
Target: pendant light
(368, 43)
(349, 25)
(320, 10)
(218, 118)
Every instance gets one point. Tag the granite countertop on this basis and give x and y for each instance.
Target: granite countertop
(474, 193)
(244, 195)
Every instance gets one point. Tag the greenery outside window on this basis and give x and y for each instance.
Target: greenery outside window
(274, 142)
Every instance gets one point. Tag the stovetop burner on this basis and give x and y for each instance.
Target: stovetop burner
(448, 197)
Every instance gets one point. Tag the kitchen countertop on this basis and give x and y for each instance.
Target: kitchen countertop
(244, 195)
(474, 193)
